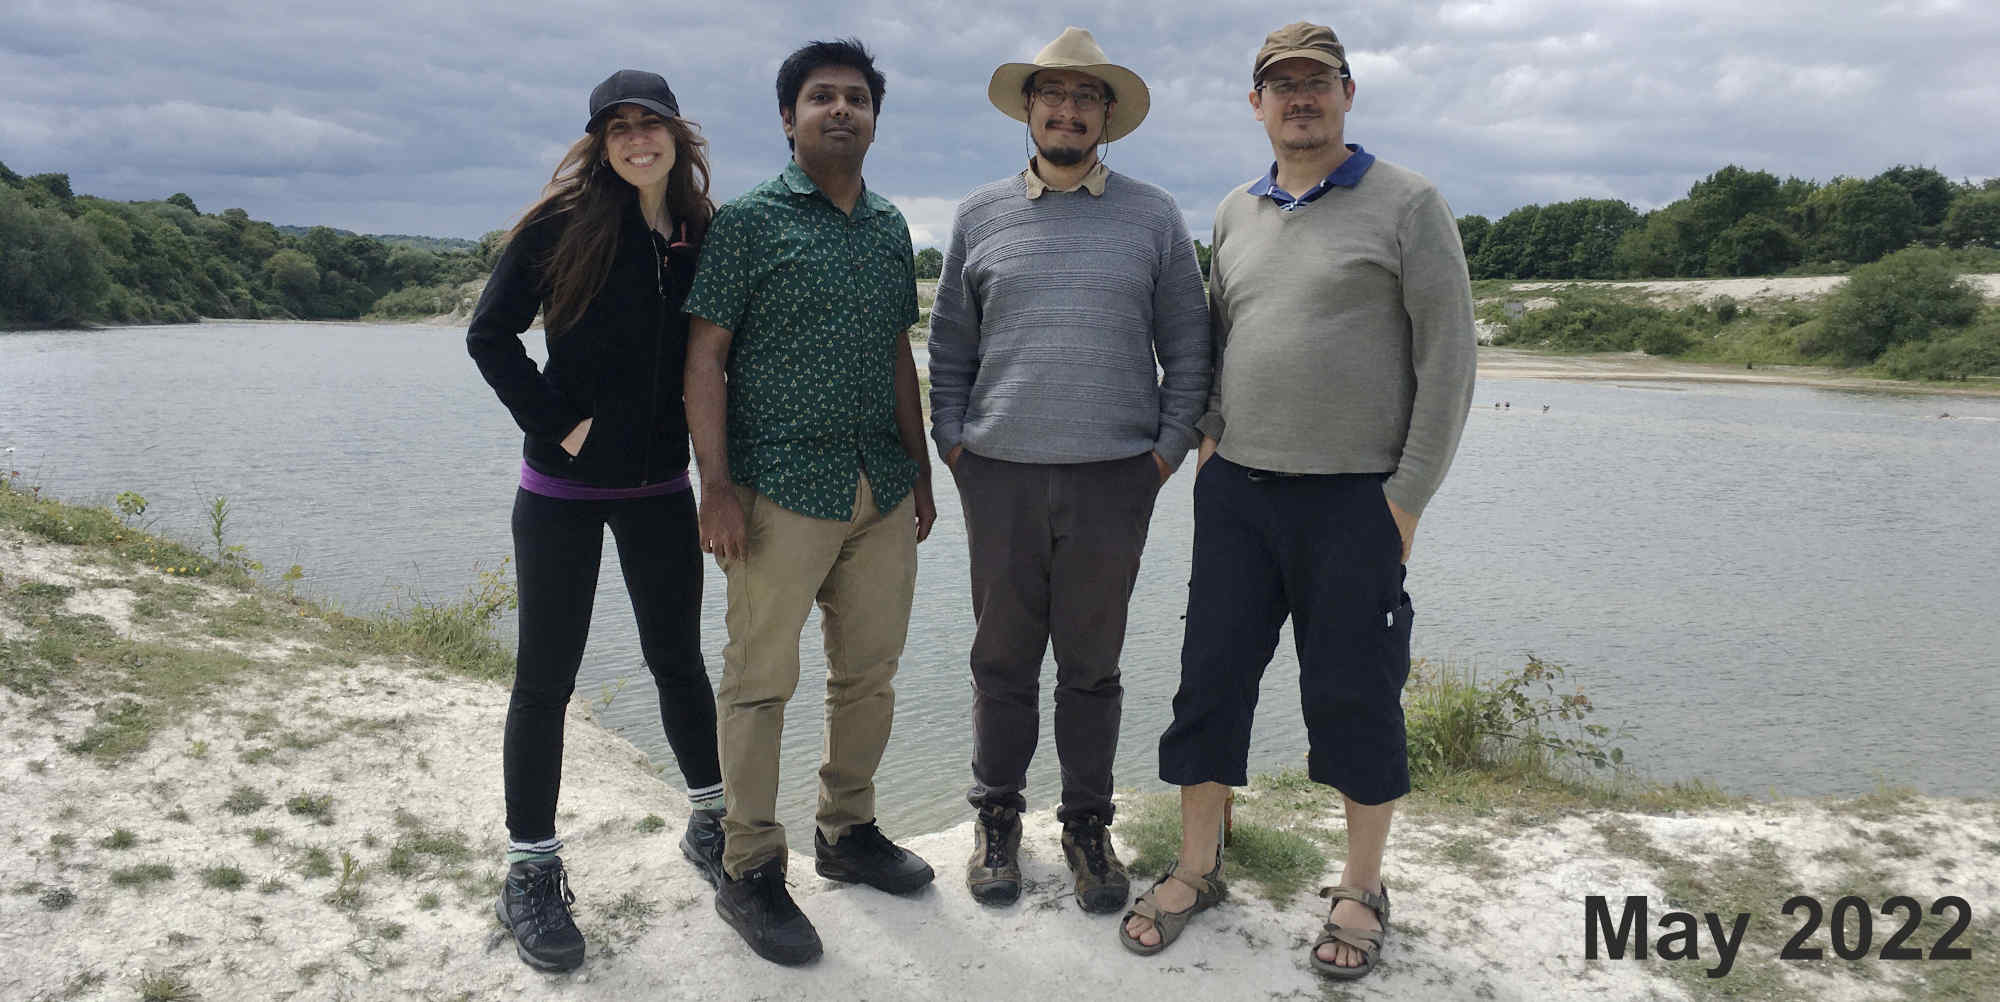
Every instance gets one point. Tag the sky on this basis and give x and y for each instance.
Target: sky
(445, 117)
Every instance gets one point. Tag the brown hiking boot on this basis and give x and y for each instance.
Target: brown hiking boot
(1101, 882)
(993, 875)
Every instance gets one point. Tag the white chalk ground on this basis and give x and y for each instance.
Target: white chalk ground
(1485, 908)
(1743, 290)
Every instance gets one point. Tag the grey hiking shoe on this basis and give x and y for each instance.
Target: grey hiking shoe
(1101, 882)
(702, 844)
(534, 906)
(993, 875)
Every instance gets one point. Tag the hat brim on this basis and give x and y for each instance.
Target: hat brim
(647, 103)
(1134, 100)
(1316, 55)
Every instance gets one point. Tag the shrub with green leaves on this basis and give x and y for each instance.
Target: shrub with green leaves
(1974, 352)
(1912, 295)
(1588, 321)
(1457, 723)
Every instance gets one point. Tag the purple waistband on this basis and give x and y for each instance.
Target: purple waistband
(536, 482)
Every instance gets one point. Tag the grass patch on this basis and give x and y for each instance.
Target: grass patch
(142, 876)
(1469, 852)
(346, 894)
(227, 877)
(56, 899)
(81, 982)
(416, 852)
(1755, 880)
(244, 617)
(120, 838)
(318, 807)
(631, 906)
(650, 823)
(1280, 859)
(122, 729)
(245, 800)
(104, 532)
(456, 635)
(315, 863)
(429, 901)
(165, 986)
(262, 835)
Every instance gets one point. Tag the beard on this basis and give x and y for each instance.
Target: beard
(1307, 143)
(1062, 156)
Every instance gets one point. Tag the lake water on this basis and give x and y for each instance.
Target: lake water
(1779, 589)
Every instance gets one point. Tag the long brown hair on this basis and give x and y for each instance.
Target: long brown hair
(593, 195)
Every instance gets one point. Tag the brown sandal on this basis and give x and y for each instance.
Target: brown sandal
(1367, 941)
(1208, 889)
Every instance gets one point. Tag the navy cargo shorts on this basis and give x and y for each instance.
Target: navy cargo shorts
(1323, 550)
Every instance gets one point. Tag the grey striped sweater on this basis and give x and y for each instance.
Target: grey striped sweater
(1050, 316)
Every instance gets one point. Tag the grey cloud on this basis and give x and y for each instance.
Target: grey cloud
(446, 117)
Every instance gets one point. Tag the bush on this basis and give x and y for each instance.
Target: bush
(1591, 321)
(1456, 723)
(1911, 295)
(1975, 352)
(418, 301)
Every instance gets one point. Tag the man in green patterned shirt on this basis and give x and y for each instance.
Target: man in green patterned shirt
(815, 484)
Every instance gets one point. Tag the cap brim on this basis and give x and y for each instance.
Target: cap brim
(644, 102)
(1134, 100)
(1316, 55)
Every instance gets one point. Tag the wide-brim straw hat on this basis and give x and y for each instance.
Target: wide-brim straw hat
(1075, 50)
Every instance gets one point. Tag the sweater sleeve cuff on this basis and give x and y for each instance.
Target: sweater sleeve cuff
(1210, 425)
(947, 435)
(1173, 446)
(1407, 493)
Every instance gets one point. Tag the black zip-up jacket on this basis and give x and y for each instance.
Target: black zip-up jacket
(619, 364)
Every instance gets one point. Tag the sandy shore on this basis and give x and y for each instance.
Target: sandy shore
(1515, 363)
(326, 826)
(1743, 290)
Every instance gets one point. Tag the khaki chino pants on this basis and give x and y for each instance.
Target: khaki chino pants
(862, 573)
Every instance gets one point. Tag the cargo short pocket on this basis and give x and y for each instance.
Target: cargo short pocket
(1392, 630)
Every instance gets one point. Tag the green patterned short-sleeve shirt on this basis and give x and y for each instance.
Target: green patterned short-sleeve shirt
(815, 299)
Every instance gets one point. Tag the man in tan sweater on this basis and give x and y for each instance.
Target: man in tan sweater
(1344, 347)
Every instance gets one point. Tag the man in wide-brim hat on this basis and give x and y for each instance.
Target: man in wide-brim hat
(1063, 283)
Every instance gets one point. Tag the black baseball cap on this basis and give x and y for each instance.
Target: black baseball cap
(647, 90)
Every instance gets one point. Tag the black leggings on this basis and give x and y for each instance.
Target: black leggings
(557, 547)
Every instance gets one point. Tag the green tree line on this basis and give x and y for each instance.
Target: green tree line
(1735, 222)
(68, 259)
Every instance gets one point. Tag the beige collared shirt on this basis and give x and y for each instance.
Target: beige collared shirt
(1092, 182)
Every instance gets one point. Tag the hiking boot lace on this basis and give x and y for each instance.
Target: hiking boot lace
(548, 898)
(768, 887)
(995, 827)
(1089, 840)
(869, 840)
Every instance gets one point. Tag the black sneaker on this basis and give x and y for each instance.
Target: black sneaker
(865, 856)
(1101, 882)
(761, 910)
(534, 905)
(702, 844)
(993, 875)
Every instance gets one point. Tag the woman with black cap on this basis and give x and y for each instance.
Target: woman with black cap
(606, 256)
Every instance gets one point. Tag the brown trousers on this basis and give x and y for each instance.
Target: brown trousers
(1055, 552)
(862, 573)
